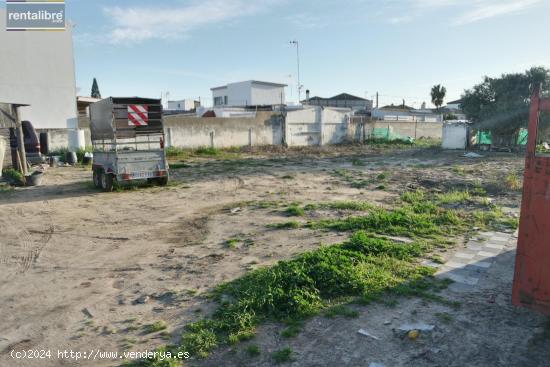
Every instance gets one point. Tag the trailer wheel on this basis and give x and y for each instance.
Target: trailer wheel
(106, 181)
(162, 181)
(97, 178)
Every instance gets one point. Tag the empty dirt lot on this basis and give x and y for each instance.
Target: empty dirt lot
(83, 270)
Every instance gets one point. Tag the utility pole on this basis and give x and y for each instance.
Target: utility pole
(298, 64)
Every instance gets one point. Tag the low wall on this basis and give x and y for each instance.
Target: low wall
(194, 132)
(59, 138)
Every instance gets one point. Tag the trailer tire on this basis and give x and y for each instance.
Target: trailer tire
(97, 178)
(162, 181)
(106, 181)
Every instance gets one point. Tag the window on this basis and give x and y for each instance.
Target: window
(218, 101)
(225, 100)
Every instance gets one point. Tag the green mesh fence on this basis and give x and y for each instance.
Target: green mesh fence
(484, 137)
(387, 134)
(522, 136)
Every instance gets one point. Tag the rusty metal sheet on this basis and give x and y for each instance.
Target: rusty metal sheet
(532, 272)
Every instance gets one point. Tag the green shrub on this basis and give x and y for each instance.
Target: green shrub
(13, 176)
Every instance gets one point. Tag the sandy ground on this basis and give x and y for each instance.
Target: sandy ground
(84, 271)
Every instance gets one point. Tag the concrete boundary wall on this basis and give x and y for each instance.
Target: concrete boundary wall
(307, 127)
(417, 130)
(194, 132)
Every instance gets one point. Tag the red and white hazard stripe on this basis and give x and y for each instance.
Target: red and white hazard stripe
(137, 115)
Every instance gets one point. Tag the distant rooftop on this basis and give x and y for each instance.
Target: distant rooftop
(253, 82)
(339, 97)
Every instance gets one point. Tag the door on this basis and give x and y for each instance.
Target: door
(532, 273)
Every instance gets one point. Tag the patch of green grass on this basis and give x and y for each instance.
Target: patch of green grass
(382, 176)
(294, 211)
(282, 356)
(494, 218)
(208, 151)
(200, 339)
(292, 290)
(381, 187)
(454, 197)
(513, 182)
(341, 310)
(402, 221)
(413, 197)
(341, 205)
(154, 327)
(232, 243)
(293, 328)
(438, 259)
(288, 177)
(444, 317)
(292, 224)
(174, 152)
(253, 350)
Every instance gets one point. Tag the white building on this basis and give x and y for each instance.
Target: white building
(454, 105)
(183, 105)
(249, 93)
(405, 113)
(37, 68)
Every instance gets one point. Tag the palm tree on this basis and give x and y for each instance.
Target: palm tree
(438, 95)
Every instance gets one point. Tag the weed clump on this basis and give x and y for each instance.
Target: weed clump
(293, 224)
(282, 356)
(294, 211)
(155, 327)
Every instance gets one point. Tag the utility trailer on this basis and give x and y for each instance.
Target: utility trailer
(128, 141)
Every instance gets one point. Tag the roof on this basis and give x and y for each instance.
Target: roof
(252, 82)
(346, 97)
(399, 107)
(339, 97)
(458, 101)
(86, 101)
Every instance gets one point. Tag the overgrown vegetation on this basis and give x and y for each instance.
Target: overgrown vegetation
(180, 153)
(13, 177)
(365, 268)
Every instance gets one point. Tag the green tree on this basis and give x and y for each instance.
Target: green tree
(95, 90)
(502, 104)
(438, 95)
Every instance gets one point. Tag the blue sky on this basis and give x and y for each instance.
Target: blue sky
(399, 48)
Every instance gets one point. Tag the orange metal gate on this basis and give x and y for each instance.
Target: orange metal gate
(532, 272)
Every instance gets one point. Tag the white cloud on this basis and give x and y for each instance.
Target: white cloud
(468, 11)
(306, 21)
(490, 9)
(137, 24)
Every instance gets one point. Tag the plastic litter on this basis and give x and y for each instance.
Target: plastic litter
(472, 155)
(366, 333)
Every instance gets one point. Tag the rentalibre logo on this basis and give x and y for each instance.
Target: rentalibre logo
(35, 15)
